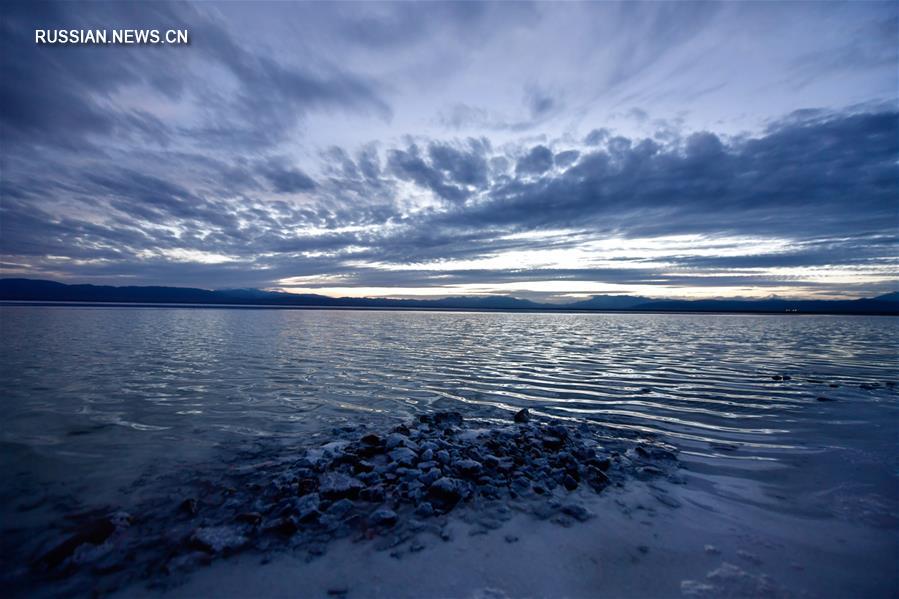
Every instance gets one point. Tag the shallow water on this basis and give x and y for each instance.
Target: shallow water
(95, 398)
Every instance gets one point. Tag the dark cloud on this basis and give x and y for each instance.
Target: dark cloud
(286, 179)
(537, 161)
(54, 95)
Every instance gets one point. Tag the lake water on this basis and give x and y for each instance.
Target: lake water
(96, 397)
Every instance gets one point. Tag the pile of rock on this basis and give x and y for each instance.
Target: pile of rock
(390, 486)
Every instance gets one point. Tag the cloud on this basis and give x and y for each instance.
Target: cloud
(305, 156)
(287, 179)
(537, 161)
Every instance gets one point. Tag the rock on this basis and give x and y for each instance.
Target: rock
(253, 518)
(287, 525)
(522, 416)
(363, 466)
(777, 377)
(569, 482)
(469, 468)
(382, 517)
(552, 442)
(446, 419)
(395, 440)
(306, 486)
(833, 385)
(430, 476)
(822, 398)
(787, 377)
(340, 508)
(189, 506)
(306, 508)
(218, 539)
(578, 512)
(511, 539)
(94, 533)
(424, 510)
(403, 455)
(443, 456)
(373, 494)
(427, 455)
(712, 550)
(447, 491)
(334, 485)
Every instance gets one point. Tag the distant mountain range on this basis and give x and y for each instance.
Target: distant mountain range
(32, 290)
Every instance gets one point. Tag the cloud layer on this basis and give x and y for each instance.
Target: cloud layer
(233, 164)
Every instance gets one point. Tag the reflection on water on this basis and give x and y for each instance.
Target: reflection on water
(93, 397)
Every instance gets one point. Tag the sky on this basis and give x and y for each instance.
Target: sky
(549, 151)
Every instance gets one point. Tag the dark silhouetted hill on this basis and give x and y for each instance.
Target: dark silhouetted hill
(32, 290)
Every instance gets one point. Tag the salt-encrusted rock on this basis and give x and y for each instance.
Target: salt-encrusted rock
(430, 476)
(334, 485)
(397, 440)
(371, 439)
(448, 491)
(403, 455)
(218, 539)
(382, 517)
(469, 468)
(306, 507)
